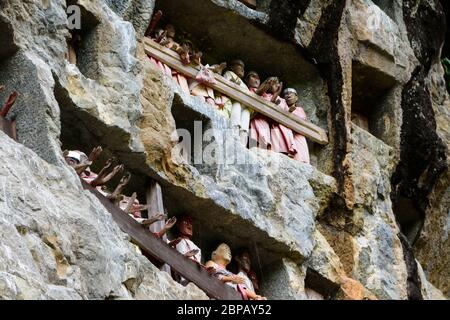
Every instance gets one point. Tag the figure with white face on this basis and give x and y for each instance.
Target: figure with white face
(300, 146)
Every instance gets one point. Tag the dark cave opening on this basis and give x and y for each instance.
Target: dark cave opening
(191, 126)
(7, 46)
(81, 131)
(409, 217)
(82, 52)
(321, 285)
(370, 107)
(213, 226)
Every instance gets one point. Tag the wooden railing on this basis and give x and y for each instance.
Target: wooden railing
(161, 251)
(233, 91)
(8, 127)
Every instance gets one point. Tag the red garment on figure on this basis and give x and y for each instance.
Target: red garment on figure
(161, 66)
(300, 144)
(282, 137)
(179, 78)
(260, 128)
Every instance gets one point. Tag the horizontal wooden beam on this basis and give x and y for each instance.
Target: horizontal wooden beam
(163, 252)
(233, 91)
(8, 127)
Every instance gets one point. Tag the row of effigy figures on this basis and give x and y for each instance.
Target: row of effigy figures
(245, 282)
(250, 126)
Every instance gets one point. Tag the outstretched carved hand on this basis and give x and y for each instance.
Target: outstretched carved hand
(95, 153)
(191, 253)
(153, 219)
(159, 217)
(116, 195)
(115, 171)
(124, 180)
(108, 165)
(169, 224)
(103, 177)
(65, 153)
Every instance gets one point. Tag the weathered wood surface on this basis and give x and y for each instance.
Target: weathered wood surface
(235, 92)
(163, 252)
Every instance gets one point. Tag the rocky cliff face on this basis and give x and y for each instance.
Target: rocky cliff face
(368, 219)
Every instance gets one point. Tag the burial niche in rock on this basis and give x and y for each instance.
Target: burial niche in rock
(82, 131)
(7, 46)
(191, 127)
(318, 287)
(373, 107)
(82, 46)
(409, 217)
(282, 279)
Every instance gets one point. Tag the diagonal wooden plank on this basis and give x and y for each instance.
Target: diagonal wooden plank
(235, 92)
(163, 252)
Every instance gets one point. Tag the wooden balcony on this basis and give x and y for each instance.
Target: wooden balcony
(161, 251)
(233, 91)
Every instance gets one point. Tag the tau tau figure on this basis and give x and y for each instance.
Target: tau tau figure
(260, 124)
(240, 115)
(184, 244)
(166, 38)
(81, 163)
(300, 146)
(281, 137)
(244, 266)
(217, 266)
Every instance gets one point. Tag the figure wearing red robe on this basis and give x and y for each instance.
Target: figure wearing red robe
(260, 124)
(166, 39)
(300, 146)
